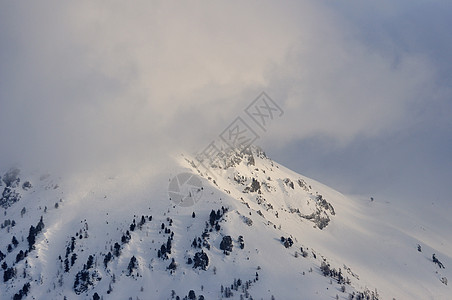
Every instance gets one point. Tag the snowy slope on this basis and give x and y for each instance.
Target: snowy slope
(256, 202)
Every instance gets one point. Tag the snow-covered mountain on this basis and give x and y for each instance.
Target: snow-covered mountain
(246, 228)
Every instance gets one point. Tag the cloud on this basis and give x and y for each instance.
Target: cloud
(87, 84)
(382, 121)
(85, 80)
(338, 86)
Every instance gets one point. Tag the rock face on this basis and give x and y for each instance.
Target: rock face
(11, 178)
(255, 174)
(9, 195)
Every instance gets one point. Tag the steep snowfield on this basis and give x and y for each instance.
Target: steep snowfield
(374, 244)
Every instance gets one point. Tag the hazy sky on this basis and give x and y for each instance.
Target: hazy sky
(365, 87)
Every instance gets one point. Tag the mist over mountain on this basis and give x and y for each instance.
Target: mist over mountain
(97, 99)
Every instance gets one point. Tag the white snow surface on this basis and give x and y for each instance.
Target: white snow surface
(374, 243)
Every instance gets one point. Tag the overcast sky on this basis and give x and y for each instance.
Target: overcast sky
(365, 87)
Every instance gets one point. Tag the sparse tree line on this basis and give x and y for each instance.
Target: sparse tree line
(238, 286)
(333, 273)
